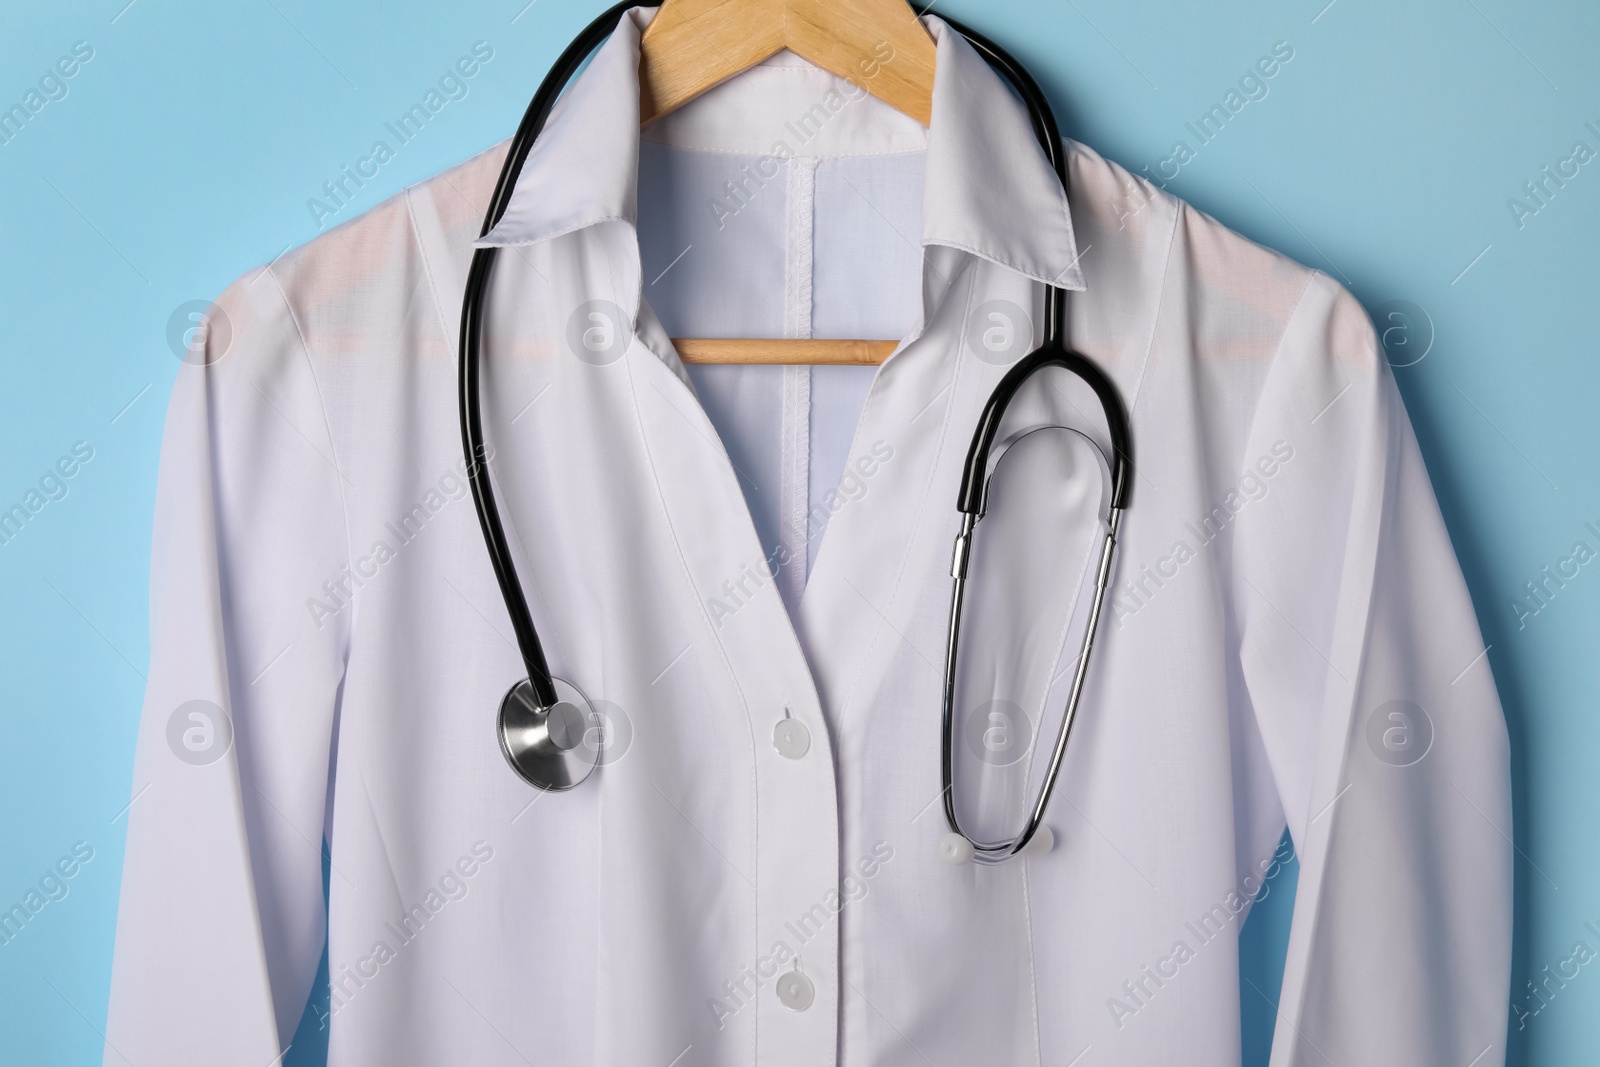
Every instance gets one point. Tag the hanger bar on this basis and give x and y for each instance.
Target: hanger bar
(783, 350)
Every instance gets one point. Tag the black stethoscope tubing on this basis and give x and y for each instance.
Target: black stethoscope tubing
(472, 315)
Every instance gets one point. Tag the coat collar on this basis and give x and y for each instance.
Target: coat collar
(988, 188)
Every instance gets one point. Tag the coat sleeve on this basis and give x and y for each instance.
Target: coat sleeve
(1366, 672)
(221, 921)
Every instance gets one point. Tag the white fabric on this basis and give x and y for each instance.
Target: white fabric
(795, 489)
(1284, 577)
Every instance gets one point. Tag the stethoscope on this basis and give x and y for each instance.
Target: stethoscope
(549, 731)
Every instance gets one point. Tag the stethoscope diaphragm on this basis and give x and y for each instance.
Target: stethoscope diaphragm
(554, 747)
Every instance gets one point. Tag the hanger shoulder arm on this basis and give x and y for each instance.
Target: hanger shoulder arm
(692, 45)
(880, 47)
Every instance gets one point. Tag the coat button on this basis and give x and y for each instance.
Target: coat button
(791, 738)
(795, 991)
(955, 849)
(1044, 840)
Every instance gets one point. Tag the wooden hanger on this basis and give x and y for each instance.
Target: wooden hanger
(693, 45)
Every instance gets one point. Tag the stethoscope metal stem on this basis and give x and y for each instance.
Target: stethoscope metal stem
(998, 851)
(471, 341)
(958, 572)
(1102, 582)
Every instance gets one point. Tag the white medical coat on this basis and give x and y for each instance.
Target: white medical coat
(1289, 642)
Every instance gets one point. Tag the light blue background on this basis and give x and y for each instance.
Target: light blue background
(1385, 154)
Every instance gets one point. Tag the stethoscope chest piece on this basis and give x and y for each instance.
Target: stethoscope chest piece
(552, 748)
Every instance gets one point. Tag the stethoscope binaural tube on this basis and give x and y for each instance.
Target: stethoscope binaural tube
(548, 730)
(972, 500)
(958, 846)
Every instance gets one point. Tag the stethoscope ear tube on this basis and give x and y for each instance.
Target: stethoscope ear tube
(972, 502)
(472, 316)
(974, 494)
